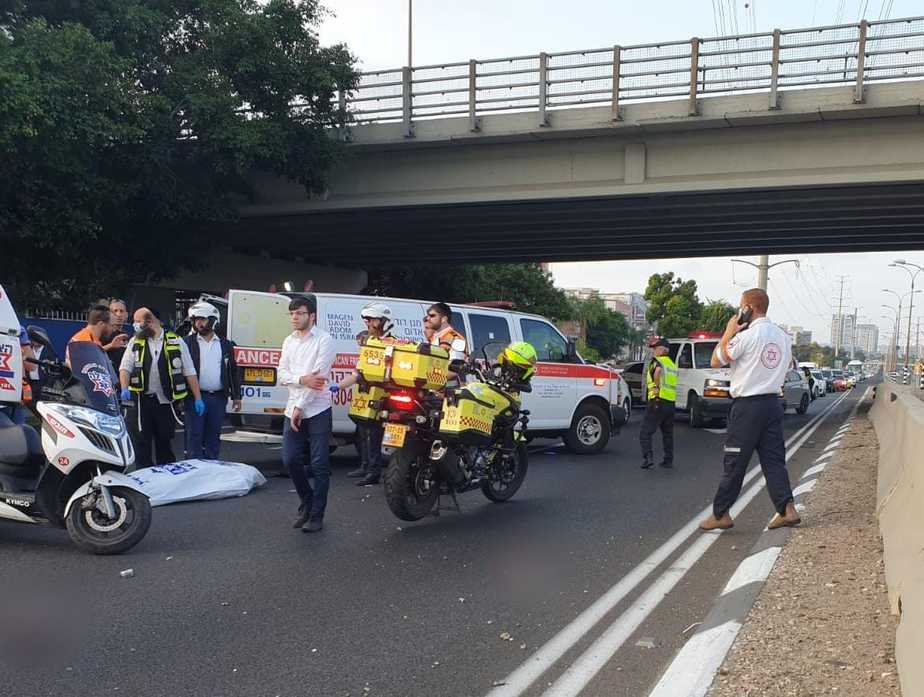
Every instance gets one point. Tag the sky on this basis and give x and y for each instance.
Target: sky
(452, 30)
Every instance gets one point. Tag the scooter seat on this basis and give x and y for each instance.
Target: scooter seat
(20, 446)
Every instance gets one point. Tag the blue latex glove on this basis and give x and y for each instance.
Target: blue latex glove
(199, 407)
(126, 394)
(334, 389)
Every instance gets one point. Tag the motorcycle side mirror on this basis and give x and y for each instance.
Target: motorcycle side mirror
(458, 345)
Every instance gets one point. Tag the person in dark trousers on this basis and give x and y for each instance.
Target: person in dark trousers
(156, 374)
(379, 325)
(760, 354)
(304, 366)
(661, 382)
(213, 358)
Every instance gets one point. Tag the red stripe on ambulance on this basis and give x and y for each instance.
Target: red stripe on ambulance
(571, 370)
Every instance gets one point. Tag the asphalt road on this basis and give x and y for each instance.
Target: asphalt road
(228, 600)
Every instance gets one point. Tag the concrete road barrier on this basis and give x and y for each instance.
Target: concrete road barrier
(898, 417)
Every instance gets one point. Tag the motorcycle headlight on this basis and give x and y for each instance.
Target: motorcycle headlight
(113, 425)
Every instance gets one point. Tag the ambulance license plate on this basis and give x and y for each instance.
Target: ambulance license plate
(394, 435)
(260, 376)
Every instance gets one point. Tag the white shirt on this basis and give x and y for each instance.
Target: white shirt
(155, 346)
(209, 363)
(304, 355)
(760, 358)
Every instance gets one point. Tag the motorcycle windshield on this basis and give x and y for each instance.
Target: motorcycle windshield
(91, 367)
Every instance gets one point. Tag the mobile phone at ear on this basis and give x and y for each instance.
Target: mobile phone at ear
(744, 316)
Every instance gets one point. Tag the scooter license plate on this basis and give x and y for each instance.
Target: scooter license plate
(394, 435)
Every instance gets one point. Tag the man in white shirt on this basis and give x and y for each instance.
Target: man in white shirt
(759, 359)
(307, 356)
(213, 358)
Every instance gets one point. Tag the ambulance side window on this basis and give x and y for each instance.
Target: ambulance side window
(487, 329)
(549, 344)
(685, 359)
(457, 322)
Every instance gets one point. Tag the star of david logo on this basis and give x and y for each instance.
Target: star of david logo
(101, 383)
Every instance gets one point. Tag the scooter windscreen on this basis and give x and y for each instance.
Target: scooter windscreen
(94, 382)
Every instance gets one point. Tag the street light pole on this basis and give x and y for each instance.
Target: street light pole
(410, 33)
(902, 264)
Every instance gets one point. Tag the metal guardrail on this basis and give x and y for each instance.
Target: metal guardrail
(854, 54)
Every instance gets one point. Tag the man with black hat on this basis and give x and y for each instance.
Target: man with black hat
(661, 384)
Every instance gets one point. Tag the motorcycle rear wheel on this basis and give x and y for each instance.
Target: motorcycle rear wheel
(93, 532)
(507, 478)
(411, 486)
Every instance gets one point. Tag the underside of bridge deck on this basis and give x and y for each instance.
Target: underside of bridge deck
(800, 220)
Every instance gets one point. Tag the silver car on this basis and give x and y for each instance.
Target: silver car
(796, 393)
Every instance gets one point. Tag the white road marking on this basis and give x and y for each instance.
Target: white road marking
(754, 568)
(804, 488)
(816, 469)
(832, 445)
(588, 664)
(825, 456)
(549, 653)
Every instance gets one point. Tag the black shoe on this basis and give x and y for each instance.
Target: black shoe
(313, 525)
(358, 472)
(303, 514)
(647, 464)
(667, 465)
(368, 480)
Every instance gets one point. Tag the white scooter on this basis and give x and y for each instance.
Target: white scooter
(74, 476)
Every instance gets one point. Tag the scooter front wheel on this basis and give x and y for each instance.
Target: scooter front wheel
(94, 531)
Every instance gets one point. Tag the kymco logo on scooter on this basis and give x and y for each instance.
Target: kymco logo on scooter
(59, 427)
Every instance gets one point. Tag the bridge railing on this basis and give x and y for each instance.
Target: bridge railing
(771, 62)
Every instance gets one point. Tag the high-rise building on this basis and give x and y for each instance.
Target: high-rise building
(867, 338)
(800, 336)
(843, 332)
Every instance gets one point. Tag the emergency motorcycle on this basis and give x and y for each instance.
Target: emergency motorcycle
(453, 440)
(72, 476)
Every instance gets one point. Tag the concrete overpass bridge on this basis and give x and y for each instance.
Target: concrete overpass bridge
(805, 140)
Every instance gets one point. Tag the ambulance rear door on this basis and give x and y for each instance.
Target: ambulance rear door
(10, 352)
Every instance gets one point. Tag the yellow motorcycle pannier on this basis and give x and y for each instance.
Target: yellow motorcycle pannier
(374, 357)
(468, 415)
(367, 403)
(422, 366)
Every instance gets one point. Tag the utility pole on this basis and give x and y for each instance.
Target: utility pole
(763, 269)
(840, 318)
(917, 341)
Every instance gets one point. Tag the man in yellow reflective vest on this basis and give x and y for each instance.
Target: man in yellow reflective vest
(661, 383)
(156, 373)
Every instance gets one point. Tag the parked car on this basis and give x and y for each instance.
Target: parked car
(796, 393)
(634, 375)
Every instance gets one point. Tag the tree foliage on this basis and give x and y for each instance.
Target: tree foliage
(608, 331)
(127, 124)
(528, 286)
(672, 304)
(715, 315)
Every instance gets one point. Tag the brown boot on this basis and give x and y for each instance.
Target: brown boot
(713, 523)
(787, 520)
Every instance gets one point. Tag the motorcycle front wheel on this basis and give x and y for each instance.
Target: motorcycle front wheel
(506, 476)
(93, 531)
(411, 486)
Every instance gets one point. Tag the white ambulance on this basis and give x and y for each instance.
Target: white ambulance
(702, 391)
(579, 402)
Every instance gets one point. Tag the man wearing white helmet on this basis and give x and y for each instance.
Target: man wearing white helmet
(379, 325)
(213, 358)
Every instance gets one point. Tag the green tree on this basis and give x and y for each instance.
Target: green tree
(672, 304)
(607, 331)
(715, 315)
(528, 286)
(128, 126)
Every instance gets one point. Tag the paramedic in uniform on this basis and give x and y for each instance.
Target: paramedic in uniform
(156, 373)
(759, 359)
(661, 392)
(439, 332)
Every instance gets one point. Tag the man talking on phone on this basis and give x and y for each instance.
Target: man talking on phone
(759, 358)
